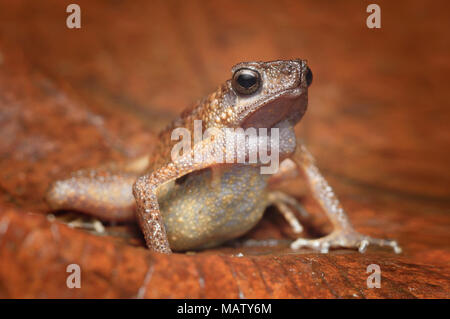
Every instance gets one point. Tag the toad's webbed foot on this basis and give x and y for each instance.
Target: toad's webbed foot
(343, 235)
(347, 239)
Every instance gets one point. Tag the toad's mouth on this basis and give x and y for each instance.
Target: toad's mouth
(289, 106)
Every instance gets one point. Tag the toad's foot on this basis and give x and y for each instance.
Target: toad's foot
(83, 222)
(347, 239)
(343, 235)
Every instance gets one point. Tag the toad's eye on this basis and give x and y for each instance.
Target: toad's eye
(246, 81)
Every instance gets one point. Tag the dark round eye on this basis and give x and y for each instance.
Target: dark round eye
(309, 76)
(246, 81)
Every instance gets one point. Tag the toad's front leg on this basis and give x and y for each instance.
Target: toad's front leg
(343, 235)
(145, 191)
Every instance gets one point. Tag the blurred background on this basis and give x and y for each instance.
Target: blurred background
(378, 117)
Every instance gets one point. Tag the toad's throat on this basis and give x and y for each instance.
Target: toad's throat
(287, 107)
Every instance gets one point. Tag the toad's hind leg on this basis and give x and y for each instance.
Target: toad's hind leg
(283, 203)
(104, 192)
(343, 234)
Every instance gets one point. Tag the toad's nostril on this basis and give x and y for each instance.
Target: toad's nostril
(309, 76)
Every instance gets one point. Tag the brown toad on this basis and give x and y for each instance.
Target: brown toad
(182, 203)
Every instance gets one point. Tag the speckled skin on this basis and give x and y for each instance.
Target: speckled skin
(199, 213)
(182, 204)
